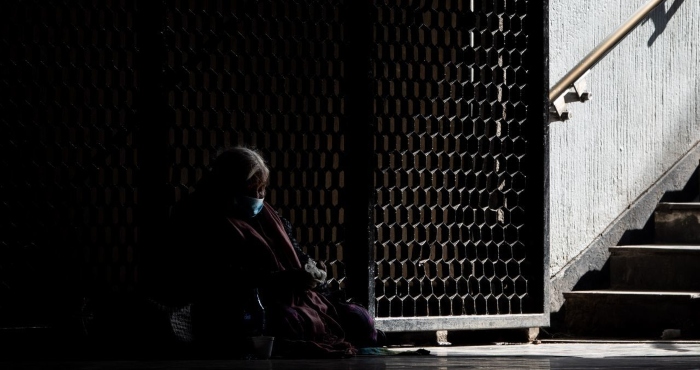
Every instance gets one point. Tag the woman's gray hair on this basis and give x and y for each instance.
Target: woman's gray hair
(237, 165)
(259, 167)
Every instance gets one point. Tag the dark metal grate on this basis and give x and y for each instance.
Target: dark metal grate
(450, 149)
(265, 74)
(94, 134)
(67, 185)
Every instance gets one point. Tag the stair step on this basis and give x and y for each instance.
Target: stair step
(655, 267)
(677, 223)
(631, 314)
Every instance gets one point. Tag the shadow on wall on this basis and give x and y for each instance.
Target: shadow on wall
(660, 17)
(591, 280)
(645, 235)
(599, 278)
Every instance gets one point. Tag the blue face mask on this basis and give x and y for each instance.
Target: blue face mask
(248, 205)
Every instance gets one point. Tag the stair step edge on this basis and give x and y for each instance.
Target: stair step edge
(668, 248)
(639, 293)
(677, 206)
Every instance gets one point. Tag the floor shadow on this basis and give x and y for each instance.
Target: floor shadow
(660, 17)
(670, 347)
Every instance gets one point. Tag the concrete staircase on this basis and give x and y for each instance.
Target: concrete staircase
(653, 287)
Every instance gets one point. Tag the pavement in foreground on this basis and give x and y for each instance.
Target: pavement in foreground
(545, 355)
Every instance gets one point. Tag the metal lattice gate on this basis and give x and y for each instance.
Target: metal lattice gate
(68, 167)
(451, 83)
(403, 136)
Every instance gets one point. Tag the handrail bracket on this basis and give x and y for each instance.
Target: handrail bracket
(577, 92)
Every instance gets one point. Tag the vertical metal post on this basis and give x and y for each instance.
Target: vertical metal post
(151, 125)
(358, 159)
(538, 158)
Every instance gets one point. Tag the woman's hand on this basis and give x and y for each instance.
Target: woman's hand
(317, 272)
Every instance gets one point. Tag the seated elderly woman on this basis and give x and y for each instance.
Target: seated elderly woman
(225, 240)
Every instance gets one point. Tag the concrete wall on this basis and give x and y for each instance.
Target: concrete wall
(643, 116)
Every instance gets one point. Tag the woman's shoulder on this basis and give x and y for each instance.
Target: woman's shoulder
(191, 209)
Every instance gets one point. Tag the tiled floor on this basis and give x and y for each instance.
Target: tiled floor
(548, 355)
(440, 363)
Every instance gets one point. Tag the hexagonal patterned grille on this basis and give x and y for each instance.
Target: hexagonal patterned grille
(270, 79)
(449, 177)
(446, 81)
(67, 191)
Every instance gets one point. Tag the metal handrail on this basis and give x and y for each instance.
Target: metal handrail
(600, 51)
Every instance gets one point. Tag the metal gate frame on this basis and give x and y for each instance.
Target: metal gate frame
(537, 203)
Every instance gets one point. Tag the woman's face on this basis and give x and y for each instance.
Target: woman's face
(256, 187)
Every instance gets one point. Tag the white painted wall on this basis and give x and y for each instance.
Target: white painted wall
(643, 116)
